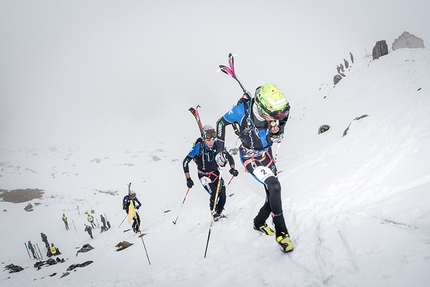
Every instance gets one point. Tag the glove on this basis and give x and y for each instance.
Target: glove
(190, 182)
(221, 159)
(138, 206)
(233, 171)
(276, 138)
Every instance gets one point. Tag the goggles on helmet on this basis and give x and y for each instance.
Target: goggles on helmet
(209, 134)
(272, 115)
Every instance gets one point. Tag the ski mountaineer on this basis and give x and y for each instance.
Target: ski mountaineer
(203, 153)
(259, 122)
(90, 219)
(126, 204)
(66, 224)
(30, 246)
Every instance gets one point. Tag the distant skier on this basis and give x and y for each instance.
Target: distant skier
(262, 121)
(66, 224)
(203, 153)
(351, 57)
(89, 230)
(107, 221)
(131, 197)
(31, 248)
(102, 219)
(53, 251)
(45, 239)
(346, 63)
(90, 219)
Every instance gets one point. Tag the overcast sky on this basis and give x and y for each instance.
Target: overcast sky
(69, 66)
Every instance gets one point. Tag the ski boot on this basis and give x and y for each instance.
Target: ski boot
(217, 216)
(265, 229)
(285, 242)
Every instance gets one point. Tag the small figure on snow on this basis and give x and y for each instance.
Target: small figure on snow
(89, 230)
(31, 248)
(45, 239)
(346, 63)
(103, 228)
(203, 153)
(90, 219)
(107, 221)
(53, 251)
(261, 122)
(66, 224)
(131, 197)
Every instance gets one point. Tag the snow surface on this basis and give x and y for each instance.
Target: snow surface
(357, 206)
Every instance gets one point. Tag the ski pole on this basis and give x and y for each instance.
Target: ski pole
(180, 208)
(215, 204)
(277, 151)
(141, 237)
(230, 180)
(122, 221)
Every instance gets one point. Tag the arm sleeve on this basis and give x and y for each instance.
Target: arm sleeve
(234, 115)
(137, 200)
(230, 159)
(191, 155)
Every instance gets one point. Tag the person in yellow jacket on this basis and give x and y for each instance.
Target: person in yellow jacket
(90, 219)
(53, 250)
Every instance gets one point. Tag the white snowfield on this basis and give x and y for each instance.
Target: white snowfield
(357, 206)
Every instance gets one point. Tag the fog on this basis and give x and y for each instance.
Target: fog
(69, 68)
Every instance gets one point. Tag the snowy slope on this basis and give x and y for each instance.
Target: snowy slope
(357, 206)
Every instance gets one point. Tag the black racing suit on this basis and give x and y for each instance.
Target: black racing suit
(207, 171)
(256, 156)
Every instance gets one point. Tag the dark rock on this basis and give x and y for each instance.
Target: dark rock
(123, 245)
(380, 49)
(323, 129)
(336, 79)
(73, 266)
(13, 268)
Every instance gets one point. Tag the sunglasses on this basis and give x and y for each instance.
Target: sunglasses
(209, 135)
(278, 115)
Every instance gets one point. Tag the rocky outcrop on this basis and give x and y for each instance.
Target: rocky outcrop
(380, 49)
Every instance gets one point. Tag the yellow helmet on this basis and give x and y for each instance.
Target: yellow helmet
(271, 102)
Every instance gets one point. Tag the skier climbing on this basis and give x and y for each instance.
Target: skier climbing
(45, 239)
(203, 153)
(66, 224)
(126, 206)
(90, 219)
(261, 121)
(31, 248)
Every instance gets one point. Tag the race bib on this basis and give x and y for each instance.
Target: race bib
(262, 173)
